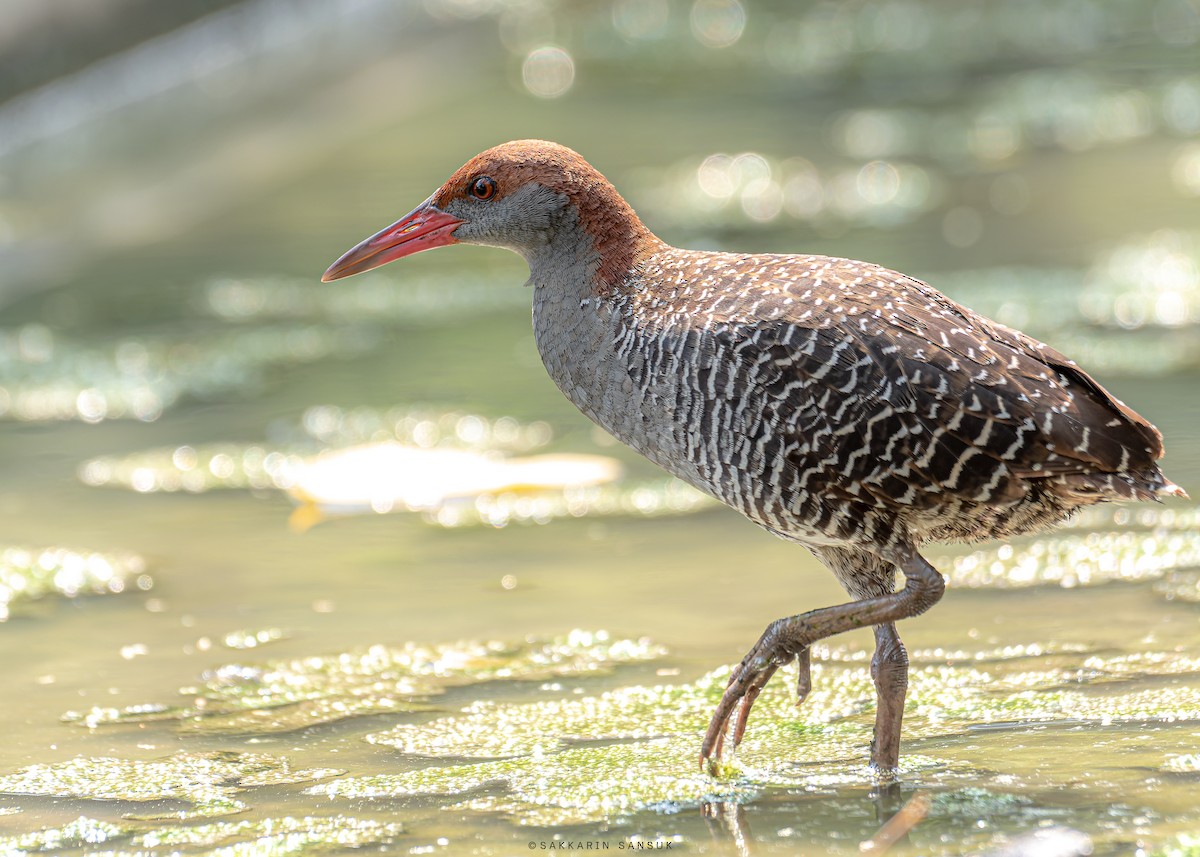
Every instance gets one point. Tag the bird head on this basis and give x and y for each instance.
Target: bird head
(524, 196)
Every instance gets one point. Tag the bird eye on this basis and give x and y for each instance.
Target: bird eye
(482, 188)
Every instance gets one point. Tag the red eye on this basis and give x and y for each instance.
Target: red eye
(482, 188)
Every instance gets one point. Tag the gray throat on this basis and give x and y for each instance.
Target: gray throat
(573, 328)
(592, 347)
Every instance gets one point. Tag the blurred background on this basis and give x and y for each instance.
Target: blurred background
(175, 177)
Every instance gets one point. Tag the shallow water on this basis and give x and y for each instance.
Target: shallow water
(1039, 164)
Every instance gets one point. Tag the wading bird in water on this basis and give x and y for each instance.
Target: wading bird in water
(835, 403)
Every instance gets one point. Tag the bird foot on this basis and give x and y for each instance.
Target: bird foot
(777, 647)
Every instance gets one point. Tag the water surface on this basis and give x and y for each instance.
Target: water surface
(1038, 162)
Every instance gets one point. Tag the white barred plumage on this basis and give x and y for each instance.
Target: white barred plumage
(836, 403)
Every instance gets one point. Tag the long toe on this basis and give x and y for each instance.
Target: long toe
(804, 679)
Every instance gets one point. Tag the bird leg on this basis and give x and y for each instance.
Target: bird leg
(889, 670)
(727, 822)
(789, 639)
(741, 714)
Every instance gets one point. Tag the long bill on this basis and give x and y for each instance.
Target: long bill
(423, 228)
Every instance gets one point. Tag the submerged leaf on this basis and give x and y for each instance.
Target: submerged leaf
(390, 476)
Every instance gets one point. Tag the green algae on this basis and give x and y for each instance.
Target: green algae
(79, 833)
(636, 748)
(30, 574)
(277, 836)
(287, 695)
(941, 695)
(610, 756)
(207, 782)
(1098, 546)
(1048, 652)
(579, 785)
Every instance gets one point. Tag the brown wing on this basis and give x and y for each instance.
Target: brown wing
(1077, 425)
(896, 394)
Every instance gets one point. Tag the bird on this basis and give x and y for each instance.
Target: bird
(840, 405)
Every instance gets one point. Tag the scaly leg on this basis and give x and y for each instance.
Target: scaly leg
(889, 669)
(787, 639)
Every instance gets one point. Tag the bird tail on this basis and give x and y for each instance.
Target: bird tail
(1146, 485)
(1170, 489)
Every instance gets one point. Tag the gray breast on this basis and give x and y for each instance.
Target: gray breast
(677, 392)
(605, 362)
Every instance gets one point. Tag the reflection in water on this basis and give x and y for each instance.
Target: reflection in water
(727, 823)
(897, 821)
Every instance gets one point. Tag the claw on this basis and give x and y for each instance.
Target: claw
(714, 738)
(746, 682)
(804, 679)
(751, 696)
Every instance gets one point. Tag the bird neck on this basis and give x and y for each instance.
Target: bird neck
(594, 248)
(620, 240)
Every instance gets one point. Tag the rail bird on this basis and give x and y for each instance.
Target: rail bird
(838, 404)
